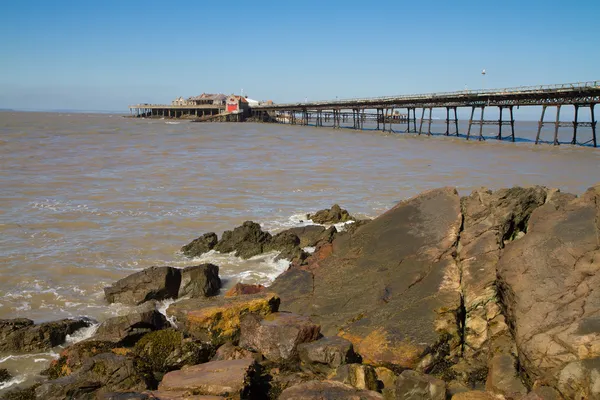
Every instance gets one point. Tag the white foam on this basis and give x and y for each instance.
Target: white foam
(162, 308)
(82, 334)
(309, 249)
(9, 357)
(14, 381)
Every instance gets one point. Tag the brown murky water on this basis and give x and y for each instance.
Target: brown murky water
(86, 199)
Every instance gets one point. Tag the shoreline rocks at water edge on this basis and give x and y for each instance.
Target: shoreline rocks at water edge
(486, 296)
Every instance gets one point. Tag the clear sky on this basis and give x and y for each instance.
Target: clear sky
(104, 55)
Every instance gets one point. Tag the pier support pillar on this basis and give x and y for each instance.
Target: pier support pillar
(574, 140)
(421, 124)
(429, 126)
(540, 124)
(556, 125)
(470, 122)
(593, 125)
(481, 124)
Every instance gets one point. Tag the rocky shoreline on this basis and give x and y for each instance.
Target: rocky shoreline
(488, 296)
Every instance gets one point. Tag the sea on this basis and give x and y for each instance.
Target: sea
(87, 199)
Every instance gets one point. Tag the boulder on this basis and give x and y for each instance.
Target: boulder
(391, 287)
(124, 396)
(127, 329)
(327, 354)
(412, 385)
(168, 395)
(247, 240)
(387, 379)
(277, 335)
(217, 319)
(474, 395)
(72, 358)
(231, 379)
(309, 235)
(4, 375)
(103, 373)
(503, 377)
(200, 281)
(547, 284)
(21, 335)
(358, 375)
(162, 351)
(333, 215)
(18, 393)
(284, 241)
(244, 288)
(229, 351)
(201, 245)
(154, 283)
(327, 390)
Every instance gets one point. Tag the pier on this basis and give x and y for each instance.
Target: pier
(581, 96)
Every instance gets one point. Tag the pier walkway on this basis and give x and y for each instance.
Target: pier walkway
(580, 95)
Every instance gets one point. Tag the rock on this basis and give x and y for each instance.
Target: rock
(72, 358)
(412, 385)
(327, 354)
(4, 375)
(200, 281)
(168, 395)
(503, 377)
(201, 245)
(277, 335)
(387, 379)
(103, 373)
(327, 390)
(357, 375)
(546, 282)
(27, 393)
(474, 395)
(21, 335)
(491, 219)
(545, 393)
(231, 379)
(247, 240)
(334, 215)
(229, 351)
(309, 235)
(276, 380)
(285, 241)
(128, 329)
(244, 288)
(391, 287)
(162, 351)
(154, 283)
(125, 396)
(217, 319)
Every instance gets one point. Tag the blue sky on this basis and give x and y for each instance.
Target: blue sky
(104, 55)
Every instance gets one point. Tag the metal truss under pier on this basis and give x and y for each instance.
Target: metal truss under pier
(579, 95)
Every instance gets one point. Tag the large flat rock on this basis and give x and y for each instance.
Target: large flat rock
(390, 287)
(231, 379)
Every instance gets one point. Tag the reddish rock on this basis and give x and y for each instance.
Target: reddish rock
(231, 379)
(277, 335)
(244, 288)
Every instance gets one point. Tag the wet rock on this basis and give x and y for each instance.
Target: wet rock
(327, 390)
(543, 393)
(277, 335)
(231, 379)
(285, 241)
(103, 373)
(27, 393)
(127, 329)
(396, 283)
(244, 288)
(357, 375)
(503, 377)
(351, 228)
(162, 351)
(4, 375)
(72, 358)
(21, 335)
(154, 283)
(125, 396)
(229, 351)
(412, 385)
(546, 283)
(217, 319)
(326, 354)
(201, 245)
(333, 215)
(309, 235)
(200, 281)
(247, 240)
